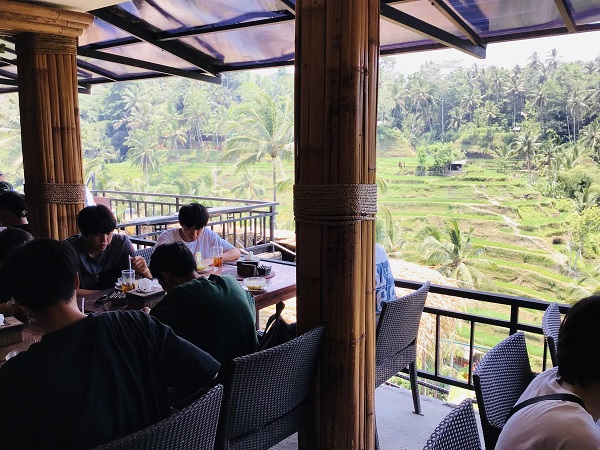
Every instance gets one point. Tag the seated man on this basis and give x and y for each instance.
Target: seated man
(102, 254)
(214, 313)
(558, 423)
(194, 234)
(9, 239)
(92, 378)
(13, 211)
(385, 289)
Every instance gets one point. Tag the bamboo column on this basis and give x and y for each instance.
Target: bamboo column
(46, 46)
(337, 55)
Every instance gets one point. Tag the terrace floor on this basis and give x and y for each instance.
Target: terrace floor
(399, 428)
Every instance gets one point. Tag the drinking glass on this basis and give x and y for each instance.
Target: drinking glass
(217, 256)
(127, 280)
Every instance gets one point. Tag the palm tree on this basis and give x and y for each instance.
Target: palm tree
(590, 139)
(504, 154)
(262, 129)
(527, 144)
(471, 100)
(250, 186)
(388, 232)
(490, 112)
(456, 119)
(515, 91)
(453, 254)
(142, 152)
(540, 98)
(577, 106)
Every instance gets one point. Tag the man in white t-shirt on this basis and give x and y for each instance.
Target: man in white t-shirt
(194, 234)
(563, 424)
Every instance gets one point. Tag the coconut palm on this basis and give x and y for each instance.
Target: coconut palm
(590, 139)
(261, 129)
(142, 152)
(453, 254)
(527, 144)
(388, 233)
(249, 186)
(504, 155)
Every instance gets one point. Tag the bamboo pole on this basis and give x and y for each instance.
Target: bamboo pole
(52, 149)
(335, 96)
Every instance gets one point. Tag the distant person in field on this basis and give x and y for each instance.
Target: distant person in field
(195, 235)
(561, 423)
(103, 254)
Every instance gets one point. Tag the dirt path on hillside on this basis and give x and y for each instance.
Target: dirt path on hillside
(538, 242)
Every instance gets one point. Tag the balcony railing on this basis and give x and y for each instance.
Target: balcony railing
(248, 224)
(515, 306)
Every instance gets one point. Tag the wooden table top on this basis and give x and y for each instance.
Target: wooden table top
(282, 286)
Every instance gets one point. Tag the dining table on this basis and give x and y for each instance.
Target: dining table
(281, 286)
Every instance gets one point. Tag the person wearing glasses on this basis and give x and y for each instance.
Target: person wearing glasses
(195, 235)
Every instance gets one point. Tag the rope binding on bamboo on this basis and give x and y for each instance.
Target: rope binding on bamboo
(43, 44)
(57, 193)
(335, 204)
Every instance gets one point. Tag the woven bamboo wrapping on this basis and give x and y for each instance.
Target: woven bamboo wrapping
(337, 48)
(52, 160)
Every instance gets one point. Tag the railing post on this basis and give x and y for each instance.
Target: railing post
(272, 226)
(514, 318)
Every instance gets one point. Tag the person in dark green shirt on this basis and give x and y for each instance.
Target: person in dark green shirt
(214, 313)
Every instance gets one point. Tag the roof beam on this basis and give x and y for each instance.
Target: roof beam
(289, 5)
(429, 31)
(459, 22)
(214, 28)
(178, 49)
(196, 75)
(97, 70)
(565, 13)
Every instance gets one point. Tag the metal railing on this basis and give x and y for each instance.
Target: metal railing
(511, 325)
(249, 224)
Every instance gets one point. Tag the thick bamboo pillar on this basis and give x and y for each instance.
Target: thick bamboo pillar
(46, 46)
(52, 160)
(337, 54)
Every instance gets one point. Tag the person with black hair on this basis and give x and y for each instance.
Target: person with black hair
(214, 313)
(103, 254)
(568, 423)
(194, 234)
(11, 238)
(92, 378)
(13, 210)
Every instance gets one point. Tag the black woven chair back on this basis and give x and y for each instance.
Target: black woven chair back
(268, 394)
(145, 253)
(458, 430)
(500, 378)
(397, 330)
(192, 428)
(550, 326)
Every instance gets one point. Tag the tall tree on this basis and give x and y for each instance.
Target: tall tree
(453, 254)
(262, 129)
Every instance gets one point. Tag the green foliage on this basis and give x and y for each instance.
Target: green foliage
(443, 154)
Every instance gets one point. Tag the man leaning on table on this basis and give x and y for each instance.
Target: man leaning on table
(102, 254)
(92, 378)
(195, 235)
(568, 424)
(214, 313)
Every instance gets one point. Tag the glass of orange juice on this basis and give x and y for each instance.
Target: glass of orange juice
(217, 256)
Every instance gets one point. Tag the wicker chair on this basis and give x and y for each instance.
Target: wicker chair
(268, 394)
(192, 428)
(396, 339)
(500, 378)
(458, 430)
(551, 325)
(145, 253)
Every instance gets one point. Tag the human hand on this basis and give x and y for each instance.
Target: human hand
(145, 309)
(138, 264)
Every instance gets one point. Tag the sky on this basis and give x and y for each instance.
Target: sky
(581, 46)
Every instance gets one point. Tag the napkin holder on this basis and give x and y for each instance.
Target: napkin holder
(139, 300)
